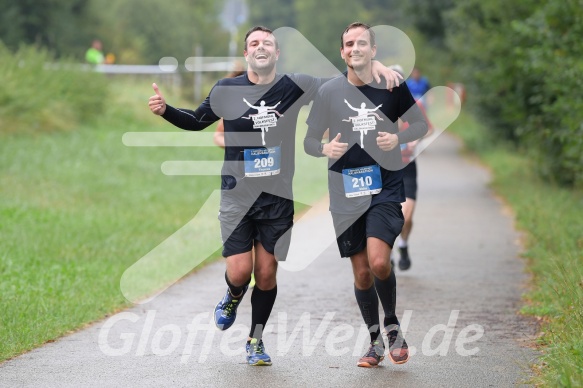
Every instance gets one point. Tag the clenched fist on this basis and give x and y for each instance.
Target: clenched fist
(387, 141)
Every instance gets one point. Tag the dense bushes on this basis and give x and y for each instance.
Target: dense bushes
(523, 63)
(39, 94)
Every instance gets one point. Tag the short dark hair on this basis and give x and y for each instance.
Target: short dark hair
(371, 33)
(260, 28)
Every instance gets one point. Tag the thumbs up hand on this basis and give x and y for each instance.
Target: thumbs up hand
(157, 103)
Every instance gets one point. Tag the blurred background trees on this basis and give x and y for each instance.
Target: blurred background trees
(523, 65)
(521, 62)
(136, 31)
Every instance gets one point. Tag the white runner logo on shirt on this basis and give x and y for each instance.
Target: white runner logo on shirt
(365, 120)
(264, 118)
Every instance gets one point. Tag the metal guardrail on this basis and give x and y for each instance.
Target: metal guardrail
(168, 68)
(192, 64)
(131, 69)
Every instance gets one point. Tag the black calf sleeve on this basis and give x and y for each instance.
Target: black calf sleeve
(387, 291)
(261, 304)
(368, 303)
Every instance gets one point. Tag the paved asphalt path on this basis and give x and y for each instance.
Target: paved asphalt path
(458, 303)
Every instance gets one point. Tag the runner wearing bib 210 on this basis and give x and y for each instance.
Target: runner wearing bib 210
(365, 180)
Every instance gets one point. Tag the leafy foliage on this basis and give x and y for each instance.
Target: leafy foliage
(428, 17)
(523, 64)
(60, 25)
(136, 31)
(554, 60)
(143, 31)
(38, 97)
(272, 13)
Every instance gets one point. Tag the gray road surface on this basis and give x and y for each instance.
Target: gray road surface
(458, 304)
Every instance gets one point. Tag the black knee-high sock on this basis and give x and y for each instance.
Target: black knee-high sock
(261, 304)
(368, 303)
(387, 291)
(236, 290)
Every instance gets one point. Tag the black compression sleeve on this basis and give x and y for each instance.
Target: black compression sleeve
(313, 141)
(417, 125)
(187, 119)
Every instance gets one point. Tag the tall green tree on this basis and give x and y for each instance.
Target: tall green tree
(552, 59)
(428, 17)
(136, 31)
(523, 64)
(272, 13)
(322, 23)
(143, 31)
(481, 36)
(59, 25)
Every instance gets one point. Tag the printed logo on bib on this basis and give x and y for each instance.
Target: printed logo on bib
(262, 161)
(365, 120)
(362, 181)
(264, 118)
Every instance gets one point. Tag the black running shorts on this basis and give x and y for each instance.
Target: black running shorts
(383, 221)
(410, 180)
(266, 224)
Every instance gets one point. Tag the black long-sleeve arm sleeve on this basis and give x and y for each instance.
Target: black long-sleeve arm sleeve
(188, 119)
(313, 139)
(313, 142)
(412, 114)
(417, 126)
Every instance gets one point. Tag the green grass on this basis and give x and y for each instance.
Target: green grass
(77, 208)
(39, 94)
(552, 219)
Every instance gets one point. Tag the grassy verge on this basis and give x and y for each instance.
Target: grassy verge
(552, 218)
(39, 94)
(78, 207)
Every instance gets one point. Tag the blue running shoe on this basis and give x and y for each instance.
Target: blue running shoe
(226, 310)
(256, 353)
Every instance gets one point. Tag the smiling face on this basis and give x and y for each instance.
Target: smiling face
(261, 52)
(356, 49)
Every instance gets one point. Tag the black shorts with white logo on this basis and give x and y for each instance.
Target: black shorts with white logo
(383, 221)
(270, 225)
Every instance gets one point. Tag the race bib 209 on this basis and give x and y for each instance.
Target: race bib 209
(262, 161)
